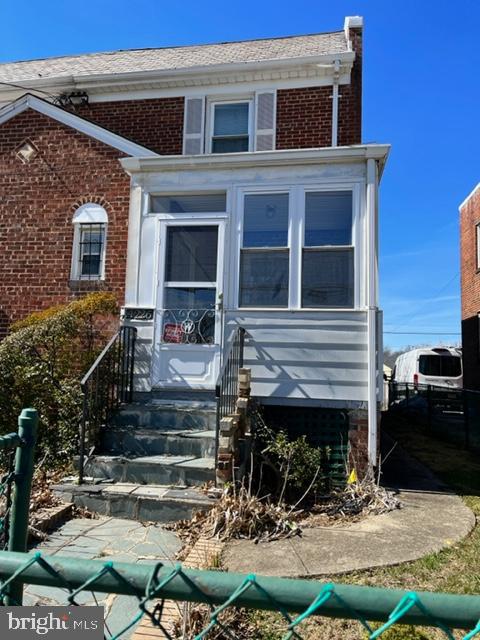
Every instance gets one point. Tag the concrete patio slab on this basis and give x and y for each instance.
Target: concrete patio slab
(432, 518)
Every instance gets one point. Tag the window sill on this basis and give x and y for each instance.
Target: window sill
(301, 310)
(87, 285)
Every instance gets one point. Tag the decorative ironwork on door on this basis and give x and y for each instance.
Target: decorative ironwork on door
(189, 326)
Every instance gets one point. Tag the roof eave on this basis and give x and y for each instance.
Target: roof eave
(109, 80)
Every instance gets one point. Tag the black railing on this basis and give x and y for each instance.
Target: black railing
(226, 388)
(448, 412)
(107, 385)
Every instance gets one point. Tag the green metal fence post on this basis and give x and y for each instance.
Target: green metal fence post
(27, 431)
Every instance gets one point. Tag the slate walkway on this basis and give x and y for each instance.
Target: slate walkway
(105, 539)
(431, 519)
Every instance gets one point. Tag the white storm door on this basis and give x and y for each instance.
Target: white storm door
(189, 316)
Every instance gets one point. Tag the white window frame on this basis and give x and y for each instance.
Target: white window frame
(213, 102)
(288, 247)
(296, 241)
(328, 247)
(89, 214)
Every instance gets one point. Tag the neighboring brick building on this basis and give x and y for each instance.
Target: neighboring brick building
(470, 285)
(208, 187)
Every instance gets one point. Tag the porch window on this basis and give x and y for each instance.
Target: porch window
(327, 254)
(265, 255)
(88, 256)
(230, 127)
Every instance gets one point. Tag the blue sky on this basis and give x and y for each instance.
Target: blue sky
(421, 94)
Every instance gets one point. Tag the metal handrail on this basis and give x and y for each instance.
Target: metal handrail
(106, 385)
(226, 387)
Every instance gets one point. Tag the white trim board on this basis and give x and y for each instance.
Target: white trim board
(283, 157)
(28, 101)
(470, 196)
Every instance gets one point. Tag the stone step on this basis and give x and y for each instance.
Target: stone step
(153, 469)
(167, 414)
(147, 442)
(153, 503)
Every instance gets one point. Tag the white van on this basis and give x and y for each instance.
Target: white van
(438, 366)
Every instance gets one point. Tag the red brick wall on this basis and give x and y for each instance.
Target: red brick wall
(156, 124)
(37, 201)
(304, 116)
(470, 284)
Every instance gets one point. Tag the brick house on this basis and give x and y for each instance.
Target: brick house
(209, 187)
(470, 287)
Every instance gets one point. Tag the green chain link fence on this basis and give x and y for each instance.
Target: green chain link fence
(296, 600)
(152, 585)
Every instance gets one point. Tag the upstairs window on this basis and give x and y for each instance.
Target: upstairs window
(327, 254)
(230, 127)
(88, 256)
(221, 124)
(265, 255)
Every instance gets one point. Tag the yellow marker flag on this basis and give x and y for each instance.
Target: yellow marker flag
(352, 477)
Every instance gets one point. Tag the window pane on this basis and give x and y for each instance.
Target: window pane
(230, 119)
(190, 203)
(191, 254)
(265, 221)
(448, 366)
(91, 242)
(90, 265)
(327, 278)
(189, 298)
(328, 218)
(264, 279)
(229, 145)
(189, 315)
(90, 249)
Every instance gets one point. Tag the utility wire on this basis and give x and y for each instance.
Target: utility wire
(425, 333)
(19, 86)
(428, 303)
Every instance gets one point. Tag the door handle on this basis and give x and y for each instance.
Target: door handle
(219, 305)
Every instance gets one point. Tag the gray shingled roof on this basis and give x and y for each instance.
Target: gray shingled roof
(171, 58)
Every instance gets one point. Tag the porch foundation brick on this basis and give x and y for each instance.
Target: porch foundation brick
(358, 441)
(244, 383)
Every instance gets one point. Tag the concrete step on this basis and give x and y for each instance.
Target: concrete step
(153, 503)
(167, 414)
(153, 469)
(138, 441)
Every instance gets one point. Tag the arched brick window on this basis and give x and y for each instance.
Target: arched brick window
(89, 242)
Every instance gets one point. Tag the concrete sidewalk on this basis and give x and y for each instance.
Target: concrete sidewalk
(432, 518)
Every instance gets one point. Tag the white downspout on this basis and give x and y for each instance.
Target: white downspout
(372, 308)
(336, 79)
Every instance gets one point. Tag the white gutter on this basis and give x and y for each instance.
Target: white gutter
(372, 308)
(109, 80)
